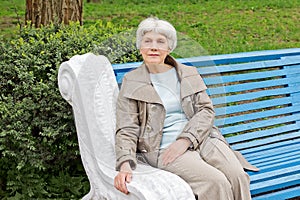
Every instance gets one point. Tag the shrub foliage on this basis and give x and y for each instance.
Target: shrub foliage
(38, 144)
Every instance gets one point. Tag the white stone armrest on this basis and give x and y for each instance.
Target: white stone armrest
(88, 83)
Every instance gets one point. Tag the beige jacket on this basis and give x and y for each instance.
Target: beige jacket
(141, 114)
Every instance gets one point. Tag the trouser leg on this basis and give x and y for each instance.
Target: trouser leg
(219, 155)
(207, 182)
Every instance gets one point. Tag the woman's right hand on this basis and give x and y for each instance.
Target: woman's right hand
(123, 177)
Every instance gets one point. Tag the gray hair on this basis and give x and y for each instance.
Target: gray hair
(159, 26)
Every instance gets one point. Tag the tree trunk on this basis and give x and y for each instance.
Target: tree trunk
(43, 12)
(95, 1)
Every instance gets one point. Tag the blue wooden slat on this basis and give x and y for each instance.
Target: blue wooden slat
(243, 77)
(274, 184)
(252, 106)
(213, 80)
(259, 124)
(119, 77)
(296, 97)
(221, 79)
(254, 95)
(242, 57)
(261, 133)
(259, 149)
(257, 115)
(239, 67)
(253, 85)
(288, 59)
(245, 66)
(280, 195)
(290, 159)
(275, 173)
(279, 154)
(127, 66)
(272, 154)
(225, 79)
(280, 162)
(122, 69)
(292, 68)
(226, 58)
(265, 141)
(293, 160)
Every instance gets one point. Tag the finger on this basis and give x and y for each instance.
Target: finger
(128, 177)
(116, 182)
(166, 161)
(123, 187)
(169, 160)
(170, 157)
(167, 157)
(164, 158)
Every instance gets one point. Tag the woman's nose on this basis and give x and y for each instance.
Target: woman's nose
(153, 48)
(154, 45)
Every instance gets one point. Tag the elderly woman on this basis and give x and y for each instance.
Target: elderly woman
(165, 115)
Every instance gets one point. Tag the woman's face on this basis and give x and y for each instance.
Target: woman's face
(154, 48)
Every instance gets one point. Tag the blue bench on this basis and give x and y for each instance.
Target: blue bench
(257, 101)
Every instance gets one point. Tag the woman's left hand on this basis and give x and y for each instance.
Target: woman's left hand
(175, 150)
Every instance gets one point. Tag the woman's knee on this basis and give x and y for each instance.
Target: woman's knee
(237, 175)
(214, 187)
(221, 181)
(218, 181)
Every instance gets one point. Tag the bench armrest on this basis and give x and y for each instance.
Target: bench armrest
(87, 82)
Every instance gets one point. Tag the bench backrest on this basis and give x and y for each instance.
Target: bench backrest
(256, 95)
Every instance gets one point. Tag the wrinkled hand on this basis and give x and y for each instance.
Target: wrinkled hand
(175, 150)
(123, 177)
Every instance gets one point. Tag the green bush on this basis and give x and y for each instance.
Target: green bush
(120, 48)
(38, 144)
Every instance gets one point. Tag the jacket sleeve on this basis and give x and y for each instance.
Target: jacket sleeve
(127, 130)
(200, 124)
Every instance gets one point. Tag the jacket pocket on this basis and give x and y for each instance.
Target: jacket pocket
(142, 147)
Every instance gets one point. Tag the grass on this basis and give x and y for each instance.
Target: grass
(220, 27)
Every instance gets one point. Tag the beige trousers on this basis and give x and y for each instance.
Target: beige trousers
(213, 174)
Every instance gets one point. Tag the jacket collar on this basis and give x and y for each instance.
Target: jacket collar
(137, 83)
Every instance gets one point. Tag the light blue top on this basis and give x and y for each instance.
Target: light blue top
(167, 86)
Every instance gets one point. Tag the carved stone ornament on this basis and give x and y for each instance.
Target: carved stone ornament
(87, 82)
